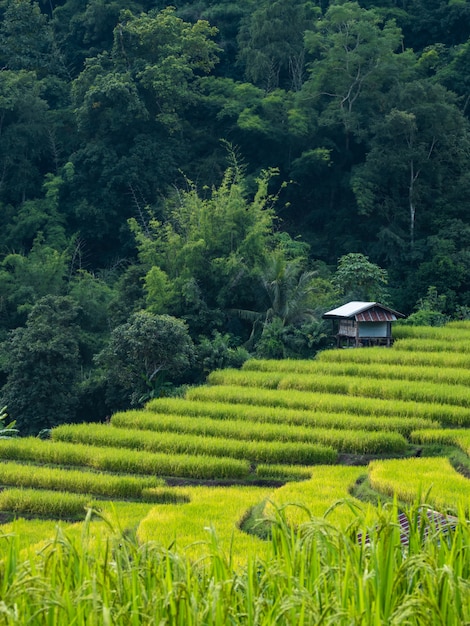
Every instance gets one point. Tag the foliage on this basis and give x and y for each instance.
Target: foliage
(142, 348)
(6, 430)
(43, 359)
(429, 311)
(115, 112)
(219, 352)
(357, 278)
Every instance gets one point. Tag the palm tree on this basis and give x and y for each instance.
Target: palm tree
(6, 430)
(289, 290)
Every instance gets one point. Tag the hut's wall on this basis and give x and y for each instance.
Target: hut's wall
(373, 329)
(347, 328)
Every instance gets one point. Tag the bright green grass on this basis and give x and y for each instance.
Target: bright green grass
(212, 511)
(453, 333)
(392, 356)
(315, 496)
(314, 575)
(455, 436)
(433, 345)
(44, 503)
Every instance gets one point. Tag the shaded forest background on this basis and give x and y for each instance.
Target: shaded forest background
(182, 187)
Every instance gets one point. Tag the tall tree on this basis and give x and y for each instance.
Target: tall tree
(143, 349)
(43, 366)
(354, 63)
(271, 41)
(420, 151)
(131, 107)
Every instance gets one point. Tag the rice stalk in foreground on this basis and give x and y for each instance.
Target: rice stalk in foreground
(311, 574)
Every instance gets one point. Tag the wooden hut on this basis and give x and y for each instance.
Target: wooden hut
(363, 324)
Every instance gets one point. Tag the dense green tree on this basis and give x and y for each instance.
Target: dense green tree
(354, 64)
(271, 41)
(203, 258)
(145, 348)
(357, 278)
(27, 40)
(418, 155)
(25, 278)
(23, 133)
(130, 109)
(43, 366)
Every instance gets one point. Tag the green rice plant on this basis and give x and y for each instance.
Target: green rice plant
(250, 430)
(449, 332)
(432, 345)
(462, 324)
(122, 460)
(310, 401)
(266, 414)
(315, 496)
(164, 495)
(31, 532)
(44, 503)
(283, 472)
(315, 573)
(246, 378)
(212, 510)
(76, 481)
(433, 479)
(303, 369)
(418, 391)
(394, 356)
(453, 436)
(175, 443)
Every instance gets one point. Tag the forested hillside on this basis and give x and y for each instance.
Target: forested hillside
(181, 187)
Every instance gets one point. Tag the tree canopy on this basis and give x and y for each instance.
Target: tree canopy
(238, 167)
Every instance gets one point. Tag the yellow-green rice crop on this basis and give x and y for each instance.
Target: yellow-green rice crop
(238, 411)
(432, 345)
(315, 496)
(212, 511)
(431, 478)
(283, 472)
(462, 324)
(454, 375)
(175, 443)
(314, 575)
(76, 481)
(453, 436)
(310, 401)
(418, 391)
(393, 356)
(343, 440)
(32, 531)
(449, 332)
(44, 503)
(122, 460)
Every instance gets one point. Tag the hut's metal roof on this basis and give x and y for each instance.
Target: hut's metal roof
(364, 312)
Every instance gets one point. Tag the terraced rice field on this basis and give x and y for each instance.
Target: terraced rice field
(295, 435)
